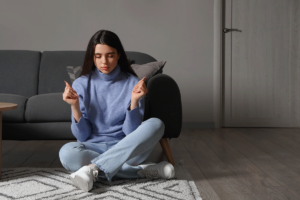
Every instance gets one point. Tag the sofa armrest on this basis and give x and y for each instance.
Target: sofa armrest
(164, 101)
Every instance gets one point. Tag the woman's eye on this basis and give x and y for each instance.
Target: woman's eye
(108, 56)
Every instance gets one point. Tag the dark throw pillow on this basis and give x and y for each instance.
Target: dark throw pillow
(148, 70)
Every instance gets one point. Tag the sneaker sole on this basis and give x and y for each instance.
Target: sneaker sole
(79, 182)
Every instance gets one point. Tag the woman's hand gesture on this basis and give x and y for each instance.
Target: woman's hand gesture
(70, 95)
(139, 90)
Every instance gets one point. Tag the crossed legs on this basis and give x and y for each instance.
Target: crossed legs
(122, 159)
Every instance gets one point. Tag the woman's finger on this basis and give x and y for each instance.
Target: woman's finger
(139, 88)
(142, 84)
(68, 84)
(142, 80)
(72, 93)
(71, 97)
(75, 93)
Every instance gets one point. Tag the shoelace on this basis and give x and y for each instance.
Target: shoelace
(150, 173)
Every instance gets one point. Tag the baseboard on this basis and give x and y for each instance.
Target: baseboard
(186, 125)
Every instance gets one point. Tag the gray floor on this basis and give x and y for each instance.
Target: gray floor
(228, 163)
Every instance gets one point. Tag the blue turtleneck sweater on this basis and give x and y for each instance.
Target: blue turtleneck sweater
(104, 101)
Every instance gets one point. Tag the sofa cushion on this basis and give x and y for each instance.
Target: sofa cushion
(16, 115)
(48, 108)
(53, 69)
(19, 72)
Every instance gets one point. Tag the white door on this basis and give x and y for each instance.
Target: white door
(261, 63)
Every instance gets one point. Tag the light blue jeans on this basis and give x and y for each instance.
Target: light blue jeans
(115, 158)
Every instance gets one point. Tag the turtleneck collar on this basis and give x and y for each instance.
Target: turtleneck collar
(112, 75)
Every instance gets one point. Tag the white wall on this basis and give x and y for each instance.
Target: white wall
(178, 31)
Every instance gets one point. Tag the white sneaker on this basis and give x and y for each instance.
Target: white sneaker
(84, 178)
(163, 169)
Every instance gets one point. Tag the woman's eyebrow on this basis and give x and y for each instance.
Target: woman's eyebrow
(106, 53)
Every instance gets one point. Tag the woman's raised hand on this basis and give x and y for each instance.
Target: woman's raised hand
(70, 95)
(139, 90)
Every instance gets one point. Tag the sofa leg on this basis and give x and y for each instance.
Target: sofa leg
(165, 146)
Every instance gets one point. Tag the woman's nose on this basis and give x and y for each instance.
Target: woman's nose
(104, 59)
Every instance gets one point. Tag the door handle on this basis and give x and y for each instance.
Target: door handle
(226, 30)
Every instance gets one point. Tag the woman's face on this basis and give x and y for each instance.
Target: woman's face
(105, 58)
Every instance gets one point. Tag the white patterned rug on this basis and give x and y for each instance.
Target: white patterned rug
(54, 183)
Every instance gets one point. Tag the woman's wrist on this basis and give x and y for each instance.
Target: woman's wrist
(134, 104)
(76, 112)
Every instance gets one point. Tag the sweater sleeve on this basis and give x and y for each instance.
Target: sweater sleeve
(82, 129)
(134, 117)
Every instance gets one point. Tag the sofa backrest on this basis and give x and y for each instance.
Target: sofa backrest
(53, 71)
(19, 72)
(53, 65)
(28, 73)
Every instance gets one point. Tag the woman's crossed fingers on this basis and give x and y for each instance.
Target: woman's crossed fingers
(71, 93)
(140, 85)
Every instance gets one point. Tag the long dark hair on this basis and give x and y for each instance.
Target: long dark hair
(111, 39)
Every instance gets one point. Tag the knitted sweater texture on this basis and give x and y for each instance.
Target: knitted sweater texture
(104, 101)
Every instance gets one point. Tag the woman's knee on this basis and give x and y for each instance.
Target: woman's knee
(73, 156)
(66, 150)
(159, 125)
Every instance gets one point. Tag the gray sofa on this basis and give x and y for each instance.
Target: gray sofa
(35, 81)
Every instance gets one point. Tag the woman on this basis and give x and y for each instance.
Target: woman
(107, 103)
